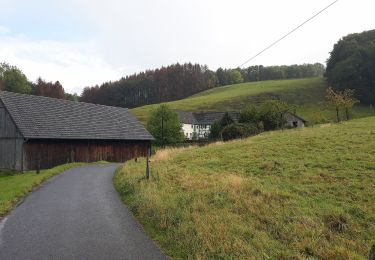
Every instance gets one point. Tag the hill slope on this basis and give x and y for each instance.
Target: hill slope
(307, 94)
(309, 196)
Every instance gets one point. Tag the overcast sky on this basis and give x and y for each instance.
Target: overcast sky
(86, 42)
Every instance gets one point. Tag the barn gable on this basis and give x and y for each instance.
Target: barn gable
(10, 141)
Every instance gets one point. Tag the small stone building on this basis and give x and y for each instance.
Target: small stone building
(294, 121)
(41, 132)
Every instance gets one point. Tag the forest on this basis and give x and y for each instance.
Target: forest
(169, 83)
(179, 81)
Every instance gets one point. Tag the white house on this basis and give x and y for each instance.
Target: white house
(198, 125)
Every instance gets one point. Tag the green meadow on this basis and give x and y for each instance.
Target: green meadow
(306, 94)
(295, 194)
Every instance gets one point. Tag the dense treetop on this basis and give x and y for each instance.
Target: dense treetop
(351, 65)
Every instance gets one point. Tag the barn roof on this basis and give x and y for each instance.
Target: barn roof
(48, 118)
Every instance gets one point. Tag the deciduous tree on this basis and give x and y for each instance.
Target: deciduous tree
(165, 126)
(12, 79)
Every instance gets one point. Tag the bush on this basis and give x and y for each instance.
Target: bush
(235, 131)
(215, 130)
(218, 126)
(271, 114)
(249, 115)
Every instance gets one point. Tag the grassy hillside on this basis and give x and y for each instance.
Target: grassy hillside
(307, 94)
(310, 196)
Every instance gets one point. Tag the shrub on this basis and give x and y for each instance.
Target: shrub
(218, 126)
(249, 115)
(235, 131)
(271, 114)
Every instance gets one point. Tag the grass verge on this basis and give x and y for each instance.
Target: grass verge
(14, 186)
(298, 194)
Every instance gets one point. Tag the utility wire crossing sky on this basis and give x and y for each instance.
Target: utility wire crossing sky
(286, 35)
(87, 42)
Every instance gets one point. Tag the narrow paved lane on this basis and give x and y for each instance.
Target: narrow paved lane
(75, 215)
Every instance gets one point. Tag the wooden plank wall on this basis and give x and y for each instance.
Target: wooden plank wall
(56, 152)
(11, 142)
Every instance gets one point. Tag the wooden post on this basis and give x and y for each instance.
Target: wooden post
(147, 167)
(38, 163)
(148, 163)
(71, 154)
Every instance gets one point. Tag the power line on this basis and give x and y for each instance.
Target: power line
(286, 35)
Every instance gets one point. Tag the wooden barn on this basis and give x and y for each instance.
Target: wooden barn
(44, 132)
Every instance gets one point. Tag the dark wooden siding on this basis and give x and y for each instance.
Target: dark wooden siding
(11, 142)
(55, 152)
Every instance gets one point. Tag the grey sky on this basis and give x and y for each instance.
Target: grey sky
(87, 42)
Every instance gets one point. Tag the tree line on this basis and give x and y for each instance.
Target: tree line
(173, 82)
(178, 81)
(14, 80)
(152, 86)
(260, 73)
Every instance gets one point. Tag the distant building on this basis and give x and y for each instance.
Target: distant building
(294, 121)
(41, 132)
(198, 125)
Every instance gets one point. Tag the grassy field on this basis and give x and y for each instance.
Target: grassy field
(307, 94)
(14, 186)
(298, 194)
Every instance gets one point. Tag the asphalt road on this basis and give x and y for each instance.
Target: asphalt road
(75, 215)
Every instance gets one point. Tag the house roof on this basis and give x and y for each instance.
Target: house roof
(291, 116)
(203, 118)
(186, 117)
(208, 118)
(48, 118)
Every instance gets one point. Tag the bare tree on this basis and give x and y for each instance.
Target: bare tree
(348, 101)
(335, 99)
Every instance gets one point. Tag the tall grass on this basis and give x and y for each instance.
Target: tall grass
(294, 194)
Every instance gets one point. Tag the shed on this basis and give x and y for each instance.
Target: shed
(44, 132)
(294, 121)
